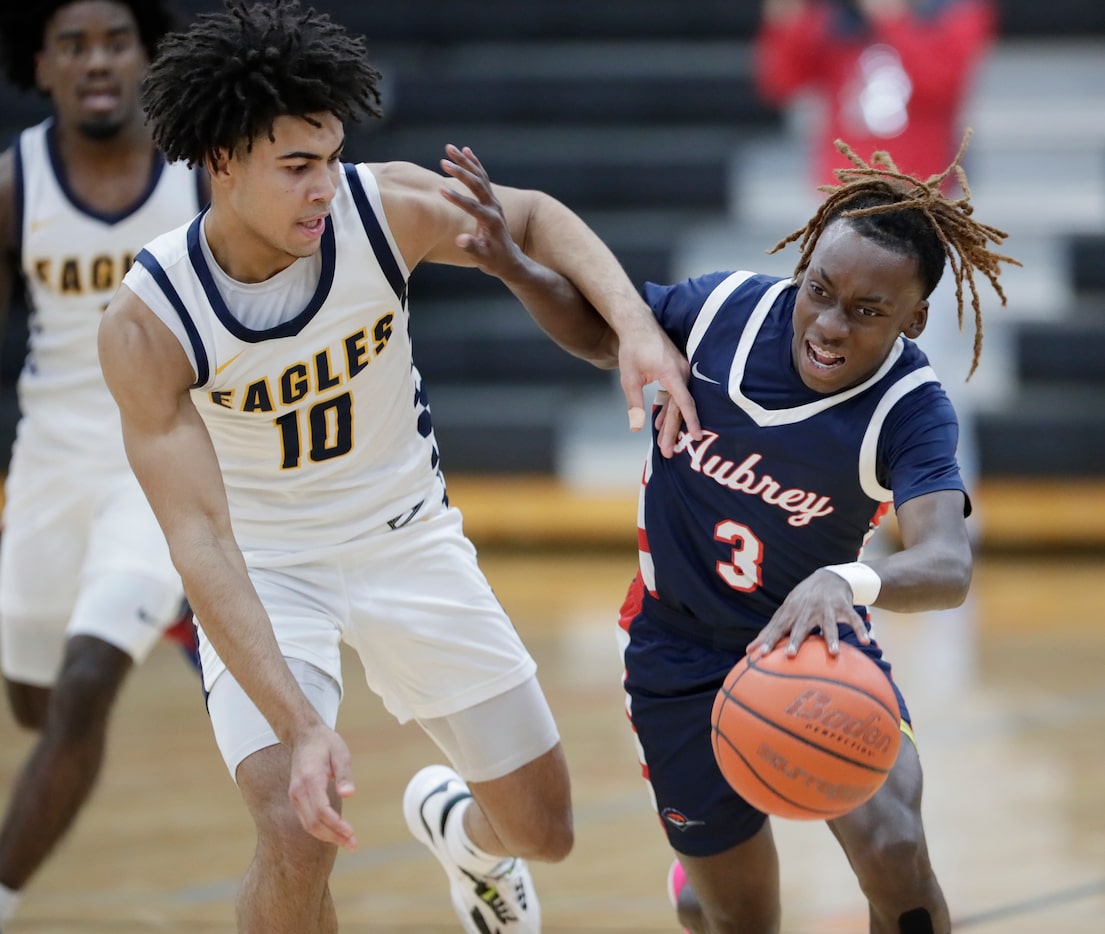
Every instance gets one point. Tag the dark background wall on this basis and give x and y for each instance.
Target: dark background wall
(628, 110)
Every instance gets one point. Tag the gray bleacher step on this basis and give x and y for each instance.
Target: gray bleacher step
(489, 429)
(1086, 261)
(1065, 353)
(431, 21)
(493, 342)
(1045, 432)
(594, 83)
(615, 168)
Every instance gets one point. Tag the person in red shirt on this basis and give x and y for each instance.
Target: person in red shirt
(890, 74)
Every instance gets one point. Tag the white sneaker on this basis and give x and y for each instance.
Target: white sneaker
(501, 902)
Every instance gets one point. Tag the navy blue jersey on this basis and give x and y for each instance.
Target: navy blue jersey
(785, 480)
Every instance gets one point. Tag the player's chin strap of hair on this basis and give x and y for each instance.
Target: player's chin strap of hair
(862, 578)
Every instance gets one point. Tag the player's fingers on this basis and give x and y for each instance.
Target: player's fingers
(832, 637)
(328, 826)
(341, 767)
(681, 398)
(635, 401)
(764, 642)
(669, 430)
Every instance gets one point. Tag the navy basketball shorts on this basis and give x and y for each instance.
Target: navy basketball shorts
(671, 682)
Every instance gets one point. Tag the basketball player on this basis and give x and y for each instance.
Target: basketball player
(87, 586)
(817, 413)
(261, 360)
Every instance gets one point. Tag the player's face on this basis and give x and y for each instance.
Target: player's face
(91, 64)
(279, 192)
(853, 301)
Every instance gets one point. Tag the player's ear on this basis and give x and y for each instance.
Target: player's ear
(918, 320)
(218, 164)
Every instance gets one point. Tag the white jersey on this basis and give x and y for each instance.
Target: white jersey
(319, 421)
(73, 259)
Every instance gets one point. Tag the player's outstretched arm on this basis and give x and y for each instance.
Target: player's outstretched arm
(171, 454)
(559, 269)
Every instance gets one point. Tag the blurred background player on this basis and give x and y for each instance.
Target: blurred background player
(892, 75)
(86, 585)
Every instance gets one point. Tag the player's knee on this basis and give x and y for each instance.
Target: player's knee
(893, 862)
(548, 840)
(86, 690)
(559, 841)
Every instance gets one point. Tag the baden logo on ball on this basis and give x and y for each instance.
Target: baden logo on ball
(810, 737)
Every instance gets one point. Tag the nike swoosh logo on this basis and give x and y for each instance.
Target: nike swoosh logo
(228, 362)
(702, 376)
(145, 616)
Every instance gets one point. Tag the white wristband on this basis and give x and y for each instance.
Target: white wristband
(862, 578)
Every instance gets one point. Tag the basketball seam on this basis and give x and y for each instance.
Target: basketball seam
(822, 680)
(829, 814)
(798, 736)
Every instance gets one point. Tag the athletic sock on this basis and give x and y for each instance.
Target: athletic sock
(9, 901)
(462, 850)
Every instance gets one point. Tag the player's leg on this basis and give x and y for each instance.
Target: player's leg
(512, 805)
(64, 764)
(735, 891)
(286, 888)
(724, 845)
(87, 589)
(885, 843)
(438, 648)
(508, 751)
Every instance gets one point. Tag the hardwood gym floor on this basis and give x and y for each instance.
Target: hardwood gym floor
(1008, 699)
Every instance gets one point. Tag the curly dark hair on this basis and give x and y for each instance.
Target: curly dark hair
(220, 84)
(23, 29)
(914, 218)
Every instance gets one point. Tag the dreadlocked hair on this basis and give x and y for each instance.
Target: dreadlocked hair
(23, 32)
(223, 82)
(913, 218)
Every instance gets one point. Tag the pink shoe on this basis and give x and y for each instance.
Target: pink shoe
(677, 881)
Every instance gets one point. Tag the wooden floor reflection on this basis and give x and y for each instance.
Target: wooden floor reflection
(1007, 694)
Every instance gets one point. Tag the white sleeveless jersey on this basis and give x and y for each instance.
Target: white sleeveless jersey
(73, 259)
(320, 423)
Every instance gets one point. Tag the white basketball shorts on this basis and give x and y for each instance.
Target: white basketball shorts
(81, 554)
(430, 633)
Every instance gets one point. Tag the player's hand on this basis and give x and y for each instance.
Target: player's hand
(490, 246)
(822, 601)
(321, 762)
(647, 355)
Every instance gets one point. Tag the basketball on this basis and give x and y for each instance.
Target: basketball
(810, 737)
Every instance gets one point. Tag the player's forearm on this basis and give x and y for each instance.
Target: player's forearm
(562, 312)
(924, 578)
(558, 239)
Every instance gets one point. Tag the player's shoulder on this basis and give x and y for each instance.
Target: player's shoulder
(399, 177)
(690, 296)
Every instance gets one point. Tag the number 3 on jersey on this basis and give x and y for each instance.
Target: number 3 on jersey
(742, 570)
(329, 427)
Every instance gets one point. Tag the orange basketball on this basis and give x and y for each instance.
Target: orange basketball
(809, 737)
